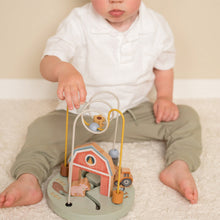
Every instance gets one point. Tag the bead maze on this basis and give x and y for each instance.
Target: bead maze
(92, 184)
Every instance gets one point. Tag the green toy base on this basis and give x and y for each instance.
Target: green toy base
(93, 206)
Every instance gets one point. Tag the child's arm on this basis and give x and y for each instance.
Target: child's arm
(71, 85)
(164, 108)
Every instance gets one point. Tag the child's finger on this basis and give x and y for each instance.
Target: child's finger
(166, 114)
(60, 92)
(155, 109)
(170, 117)
(68, 98)
(82, 93)
(173, 114)
(75, 97)
(160, 112)
(176, 115)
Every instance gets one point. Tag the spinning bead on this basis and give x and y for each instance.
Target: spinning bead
(94, 126)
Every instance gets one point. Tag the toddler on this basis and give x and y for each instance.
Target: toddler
(120, 46)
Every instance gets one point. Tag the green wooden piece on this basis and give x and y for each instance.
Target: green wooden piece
(86, 208)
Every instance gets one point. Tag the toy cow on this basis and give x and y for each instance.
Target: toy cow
(79, 187)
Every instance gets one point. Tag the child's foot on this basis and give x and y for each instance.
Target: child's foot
(24, 191)
(178, 176)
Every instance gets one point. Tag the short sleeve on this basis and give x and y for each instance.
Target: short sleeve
(166, 57)
(63, 44)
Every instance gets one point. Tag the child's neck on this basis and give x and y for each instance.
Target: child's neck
(124, 25)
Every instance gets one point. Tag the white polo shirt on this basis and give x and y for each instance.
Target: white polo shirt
(109, 60)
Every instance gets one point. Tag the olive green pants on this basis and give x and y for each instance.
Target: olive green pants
(45, 141)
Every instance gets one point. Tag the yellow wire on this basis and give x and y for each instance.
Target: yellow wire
(86, 123)
(66, 138)
(122, 138)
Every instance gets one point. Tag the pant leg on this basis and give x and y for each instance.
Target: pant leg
(182, 136)
(44, 146)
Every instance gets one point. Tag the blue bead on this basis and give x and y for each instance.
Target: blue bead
(94, 126)
(114, 153)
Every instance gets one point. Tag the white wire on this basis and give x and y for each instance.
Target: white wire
(85, 110)
(118, 107)
(71, 157)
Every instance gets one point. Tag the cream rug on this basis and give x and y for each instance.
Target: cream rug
(153, 200)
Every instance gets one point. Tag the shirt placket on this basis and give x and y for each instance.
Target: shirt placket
(126, 52)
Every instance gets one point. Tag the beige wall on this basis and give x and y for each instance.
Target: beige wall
(26, 25)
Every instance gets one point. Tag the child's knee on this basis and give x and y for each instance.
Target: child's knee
(187, 126)
(188, 115)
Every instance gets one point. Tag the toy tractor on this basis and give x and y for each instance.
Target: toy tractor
(126, 177)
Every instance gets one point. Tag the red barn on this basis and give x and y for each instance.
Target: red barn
(92, 158)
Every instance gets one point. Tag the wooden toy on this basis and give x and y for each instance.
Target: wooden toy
(99, 119)
(92, 184)
(79, 187)
(92, 158)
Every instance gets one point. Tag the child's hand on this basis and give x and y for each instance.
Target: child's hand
(165, 110)
(71, 86)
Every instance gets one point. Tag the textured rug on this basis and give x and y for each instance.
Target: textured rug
(153, 200)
